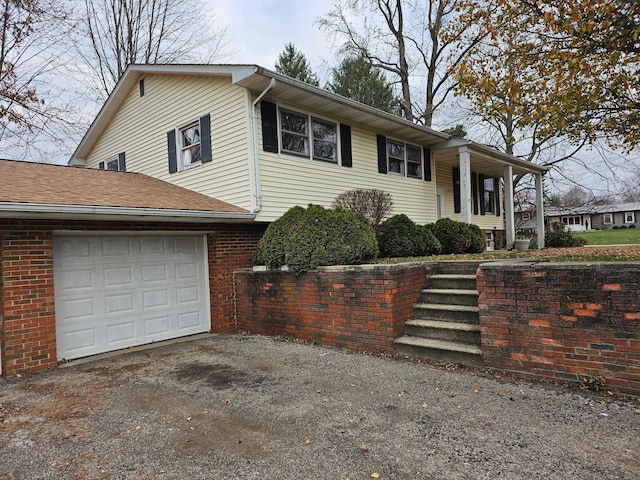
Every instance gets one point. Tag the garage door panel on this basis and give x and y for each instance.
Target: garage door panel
(188, 321)
(156, 289)
(118, 277)
(187, 271)
(119, 303)
(122, 334)
(154, 273)
(188, 295)
(157, 327)
(156, 298)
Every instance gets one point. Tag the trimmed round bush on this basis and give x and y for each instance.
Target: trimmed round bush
(304, 239)
(428, 243)
(399, 236)
(561, 237)
(458, 237)
(272, 247)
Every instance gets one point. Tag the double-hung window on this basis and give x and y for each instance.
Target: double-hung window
(404, 159)
(190, 144)
(308, 136)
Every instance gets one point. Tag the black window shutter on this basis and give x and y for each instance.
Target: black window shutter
(481, 185)
(474, 191)
(205, 138)
(496, 190)
(122, 162)
(382, 154)
(101, 166)
(457, 205)
(173, 154)
(345, 145)
(426, 153)
(269, 126)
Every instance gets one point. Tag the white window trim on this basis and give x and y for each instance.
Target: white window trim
(113, 159)
(608, 216)
(309, 136)
(406, 160)
(180, 147)
(632, 215)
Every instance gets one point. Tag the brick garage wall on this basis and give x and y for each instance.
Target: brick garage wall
(356, 307)
(563, 322)
(27, 306)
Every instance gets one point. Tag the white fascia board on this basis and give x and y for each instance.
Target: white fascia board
(47, 211)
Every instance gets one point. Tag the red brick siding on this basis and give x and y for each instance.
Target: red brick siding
(27, 310)
(351, 307)
(563, 321)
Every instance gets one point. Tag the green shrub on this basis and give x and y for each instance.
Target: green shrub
(428, 243)
(633, 225)
(304, 239)
(273, 245)
(561, 237)
(458, 237)
(399, 236)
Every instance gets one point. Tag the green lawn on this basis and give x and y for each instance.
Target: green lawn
(622, 236)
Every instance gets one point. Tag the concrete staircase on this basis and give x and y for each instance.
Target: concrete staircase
(445, 326)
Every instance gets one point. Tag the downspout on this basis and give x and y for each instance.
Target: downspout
(256, 148)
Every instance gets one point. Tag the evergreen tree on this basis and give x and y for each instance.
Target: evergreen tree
(293, 63)
(358, 80)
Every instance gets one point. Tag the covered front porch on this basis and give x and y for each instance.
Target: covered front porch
(475, 185)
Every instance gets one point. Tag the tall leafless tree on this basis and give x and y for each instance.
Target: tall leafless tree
(416, 42)
(34, 111)
(121, 32)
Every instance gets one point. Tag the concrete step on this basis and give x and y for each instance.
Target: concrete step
(447, 313)
(448, 281)
(451, 331)
(450, 296)
(458, 267)
(439, 350)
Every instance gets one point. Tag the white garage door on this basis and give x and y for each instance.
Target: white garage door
(117, 291)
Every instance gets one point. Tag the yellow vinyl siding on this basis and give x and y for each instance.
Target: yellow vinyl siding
(140, 130)
(288, 180)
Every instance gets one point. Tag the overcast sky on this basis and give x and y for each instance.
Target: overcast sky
(258, 30)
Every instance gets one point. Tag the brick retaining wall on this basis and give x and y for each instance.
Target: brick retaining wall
(356, 307)
(565, 322)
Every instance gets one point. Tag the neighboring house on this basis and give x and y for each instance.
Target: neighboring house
(93, 261)
(266, 142)
(596, 217)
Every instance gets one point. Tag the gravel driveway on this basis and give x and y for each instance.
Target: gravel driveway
(251, 407)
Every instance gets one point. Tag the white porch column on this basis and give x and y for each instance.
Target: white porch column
(465, 185)
(509, 218)
(540, 210)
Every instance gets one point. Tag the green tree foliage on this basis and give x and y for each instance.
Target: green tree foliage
(399, 236)
(293, 63)
(458, 237)
(559, 236)
(357, 79)
(304, 239)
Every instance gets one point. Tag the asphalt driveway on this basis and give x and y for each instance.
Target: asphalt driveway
(235, 406)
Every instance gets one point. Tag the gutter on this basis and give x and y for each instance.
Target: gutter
(256, 148)
(39, 210)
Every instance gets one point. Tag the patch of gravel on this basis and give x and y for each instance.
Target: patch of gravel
(251, 407)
